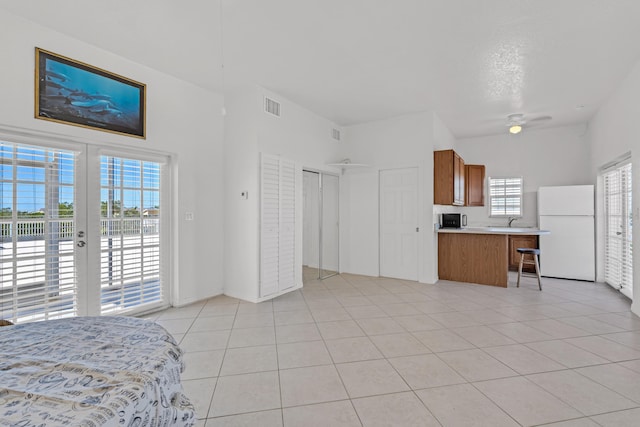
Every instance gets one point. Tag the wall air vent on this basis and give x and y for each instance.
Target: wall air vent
(271, 106)
(335, 134)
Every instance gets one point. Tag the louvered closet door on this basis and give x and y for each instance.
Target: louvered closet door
(287, 231)
(277, 225)
(270, 225)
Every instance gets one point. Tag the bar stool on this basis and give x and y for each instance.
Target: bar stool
(536, 254)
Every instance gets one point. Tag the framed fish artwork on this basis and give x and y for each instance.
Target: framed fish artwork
(72, 92)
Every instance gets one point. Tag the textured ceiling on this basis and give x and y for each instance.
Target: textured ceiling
(473, 62)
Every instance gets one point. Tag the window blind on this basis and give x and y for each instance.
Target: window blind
(130, 241)
(38, 276)
(505, 196)
(618, 229)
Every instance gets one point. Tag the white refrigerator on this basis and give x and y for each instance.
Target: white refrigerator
(568, 213)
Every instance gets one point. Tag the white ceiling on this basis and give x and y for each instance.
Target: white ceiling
(351, 61)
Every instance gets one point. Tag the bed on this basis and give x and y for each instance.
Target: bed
(91, 371)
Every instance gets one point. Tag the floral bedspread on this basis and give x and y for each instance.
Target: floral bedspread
(91, 371)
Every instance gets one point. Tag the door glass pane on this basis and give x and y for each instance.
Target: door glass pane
(130, 210)
(311, 227)
(330, 230)
(38, 277)
(618, 229)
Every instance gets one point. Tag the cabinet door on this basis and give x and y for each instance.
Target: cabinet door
(474, 185)
(458, 180)
(443, 177)
(517, 241)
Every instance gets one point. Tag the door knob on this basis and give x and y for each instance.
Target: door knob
(81, 243)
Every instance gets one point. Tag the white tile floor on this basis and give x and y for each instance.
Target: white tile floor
(354, 350)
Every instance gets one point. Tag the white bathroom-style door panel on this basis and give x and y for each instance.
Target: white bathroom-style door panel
(399, 223)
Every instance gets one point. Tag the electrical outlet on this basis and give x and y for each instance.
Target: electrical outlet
(188, 216)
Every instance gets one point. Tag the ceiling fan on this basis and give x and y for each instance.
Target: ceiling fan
(517, 121)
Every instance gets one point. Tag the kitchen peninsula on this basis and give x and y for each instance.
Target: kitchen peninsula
(477, 254)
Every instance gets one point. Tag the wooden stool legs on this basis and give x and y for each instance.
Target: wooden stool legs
(537, 264)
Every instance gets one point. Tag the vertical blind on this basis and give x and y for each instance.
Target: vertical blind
(38, 276)
(505, 196)
(618, 229)
(130, 213)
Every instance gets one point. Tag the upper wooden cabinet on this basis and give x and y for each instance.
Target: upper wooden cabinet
(474, 185)
(448, 178)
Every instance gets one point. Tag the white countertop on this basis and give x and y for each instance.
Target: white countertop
(495, 230)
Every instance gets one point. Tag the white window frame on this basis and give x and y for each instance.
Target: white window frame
(504, 196)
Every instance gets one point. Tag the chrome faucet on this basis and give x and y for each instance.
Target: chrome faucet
(511, 219)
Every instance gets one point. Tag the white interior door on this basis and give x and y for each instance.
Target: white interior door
(399, 223)
(277, 225)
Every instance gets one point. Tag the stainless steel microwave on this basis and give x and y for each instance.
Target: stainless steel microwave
(453, 220)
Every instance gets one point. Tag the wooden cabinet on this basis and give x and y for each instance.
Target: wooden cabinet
(448, 178)
(473, 258)
(517, 241)
(474, 185)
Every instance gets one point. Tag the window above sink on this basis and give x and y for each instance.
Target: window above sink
(505, 196)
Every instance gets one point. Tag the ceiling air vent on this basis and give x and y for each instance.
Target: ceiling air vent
(271, 106)
(335, 134)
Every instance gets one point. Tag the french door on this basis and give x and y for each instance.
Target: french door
(81, 231)
(618, 229)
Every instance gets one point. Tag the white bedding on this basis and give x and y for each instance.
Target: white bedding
(91, 371)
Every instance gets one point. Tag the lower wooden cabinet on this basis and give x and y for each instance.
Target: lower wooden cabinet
(515, 242)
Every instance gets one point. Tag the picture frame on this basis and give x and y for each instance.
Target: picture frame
(72, 92)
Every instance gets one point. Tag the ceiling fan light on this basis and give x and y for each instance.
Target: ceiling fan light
(515, 129)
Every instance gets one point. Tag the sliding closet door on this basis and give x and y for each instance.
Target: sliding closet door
(330, 241)
(311, 226)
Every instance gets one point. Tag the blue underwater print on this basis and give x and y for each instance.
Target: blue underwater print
(75, 93)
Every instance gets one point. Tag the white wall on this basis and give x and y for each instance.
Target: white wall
(400, 142)
(555, 156)
(612, 133)
(182, 120)
(297, 135)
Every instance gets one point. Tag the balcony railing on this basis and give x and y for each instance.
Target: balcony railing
(29, 230)
(31, 248)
